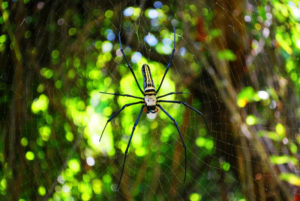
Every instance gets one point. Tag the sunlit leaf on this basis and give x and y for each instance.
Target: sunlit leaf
(270, 134)
(29, 155)
(226, 55)
(3, 184)
(40, 104)
(283, 159)
(74, 165)
(225, 166)
(205, 142)
(280, 129)
(195, 197)
(42, 190)
(291, 178)
(251, 120)
(47, 73)
(97, 186)
(2, 38)
(24, 141)
(293, 147)
(45, 132)
(72, 31)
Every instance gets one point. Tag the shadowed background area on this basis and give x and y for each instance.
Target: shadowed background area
(238, 61)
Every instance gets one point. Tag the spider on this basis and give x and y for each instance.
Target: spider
(150, 102)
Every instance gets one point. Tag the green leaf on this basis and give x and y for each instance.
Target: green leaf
(251, 120)
(74, 165)
(40, 104)
(226, 55)
(280, 129)
(29, 155)
(42, 190)
(245, 96)
(270, 134)
(291, 178)
(195, 197)
(278, 160)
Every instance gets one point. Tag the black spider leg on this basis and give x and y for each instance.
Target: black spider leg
(128, 64)
(168, 94)
(187, 105)
(117, 94)
(126, 151)
(116, 113)
(181, 137)
(168, 66)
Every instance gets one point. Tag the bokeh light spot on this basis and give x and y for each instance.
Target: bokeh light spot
(45, 132)
(40, 104)
(90, 161)
(97, 186)
(110, 35)
(182, 51)
(2, 38)
(263, 95)
(128, 11)
(72, 31)
(69, 136)
(195, 197)
(47, 73)
(107, 46)
(226, 166)
(157, 4)
(109, 13)
(251, 120)
(152, 13)
(74, 165)
(42, 190)
(136, 57)
(24, 141)
(29, 155)
(150, 39)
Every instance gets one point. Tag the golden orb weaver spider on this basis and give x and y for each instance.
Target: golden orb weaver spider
(150, 102)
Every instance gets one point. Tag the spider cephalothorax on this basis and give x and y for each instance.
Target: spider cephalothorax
(151, 109)
(150, 102)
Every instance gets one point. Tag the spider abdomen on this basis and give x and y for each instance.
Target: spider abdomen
(148, 83)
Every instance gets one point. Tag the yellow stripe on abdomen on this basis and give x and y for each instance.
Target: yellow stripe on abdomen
(148, 77)
(148, 81)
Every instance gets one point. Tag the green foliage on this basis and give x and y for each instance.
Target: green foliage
(251, 120)
(195, 197)
(69, 53)
(284, 159)
(29, 155)
(291, 178)
(226, 55)
(40, 104)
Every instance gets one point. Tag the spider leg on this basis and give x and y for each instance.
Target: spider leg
(117, 94)
(168, 94)
(168, 66)
(116, 113)
(126, 151)
(128, 64)
(181, 137)
(187, 105)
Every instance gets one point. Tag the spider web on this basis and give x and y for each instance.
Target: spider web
(154, 169)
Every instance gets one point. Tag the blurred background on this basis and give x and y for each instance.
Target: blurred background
(239, 61)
